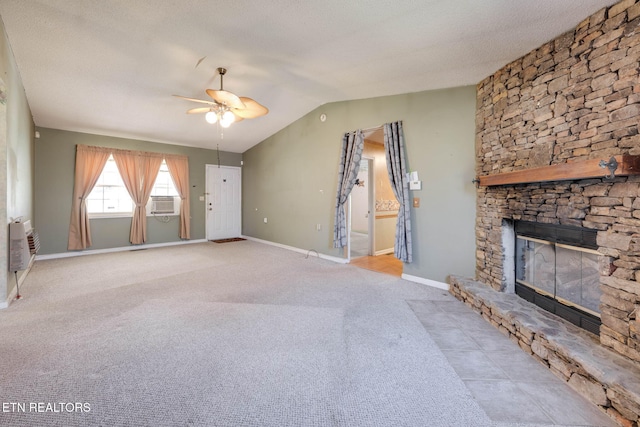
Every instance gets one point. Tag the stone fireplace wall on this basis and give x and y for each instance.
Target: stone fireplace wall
(577, 97)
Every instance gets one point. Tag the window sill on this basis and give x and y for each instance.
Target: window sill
(107, 216)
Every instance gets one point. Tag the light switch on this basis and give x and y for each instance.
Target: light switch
(416, 202)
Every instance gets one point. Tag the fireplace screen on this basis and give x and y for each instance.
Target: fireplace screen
(557, 268)
(566, 273)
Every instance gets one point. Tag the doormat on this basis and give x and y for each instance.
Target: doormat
(233, 239)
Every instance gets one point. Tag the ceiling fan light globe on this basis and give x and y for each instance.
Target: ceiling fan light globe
(211, 117)
(228, 117)
(225, 123)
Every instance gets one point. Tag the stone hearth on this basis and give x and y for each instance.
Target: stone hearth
(607, 379)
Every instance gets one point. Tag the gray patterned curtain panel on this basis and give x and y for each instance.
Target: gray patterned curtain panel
(397, 168)
(352, 145)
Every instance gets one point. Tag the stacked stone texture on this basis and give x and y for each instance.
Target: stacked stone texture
(575, 98)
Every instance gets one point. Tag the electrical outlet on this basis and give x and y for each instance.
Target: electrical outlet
(265, 220)
(318, 227)
(416, 202)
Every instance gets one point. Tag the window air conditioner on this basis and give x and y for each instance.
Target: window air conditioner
(163, 205)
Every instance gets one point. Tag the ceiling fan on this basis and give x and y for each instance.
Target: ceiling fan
(226, 107)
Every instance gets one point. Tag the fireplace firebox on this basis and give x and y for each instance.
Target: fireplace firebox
(557, 268)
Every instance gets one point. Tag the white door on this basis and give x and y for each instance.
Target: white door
(224, 213)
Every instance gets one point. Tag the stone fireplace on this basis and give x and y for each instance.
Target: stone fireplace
(574, 99)
(606, 208)
(573, 102)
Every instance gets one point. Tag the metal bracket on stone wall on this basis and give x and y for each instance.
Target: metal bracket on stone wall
(612, 165)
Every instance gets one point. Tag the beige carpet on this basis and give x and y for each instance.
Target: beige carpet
(240, 334)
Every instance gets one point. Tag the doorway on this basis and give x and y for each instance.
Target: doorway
(373, 201)
(361, 212)
(223, 202)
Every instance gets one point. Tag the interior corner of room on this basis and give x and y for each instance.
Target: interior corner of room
(292, 207)
(520, 191)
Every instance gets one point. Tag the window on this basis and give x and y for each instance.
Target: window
(164, 184)
(110, 198)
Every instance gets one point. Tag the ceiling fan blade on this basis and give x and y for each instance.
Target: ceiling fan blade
(252, 109)
(199, 110)
(227, 98)
(237, 118)
(196, 100)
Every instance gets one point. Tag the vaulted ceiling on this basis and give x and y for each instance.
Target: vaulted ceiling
(109, 67)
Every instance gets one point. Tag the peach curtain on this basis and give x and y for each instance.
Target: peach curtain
(90, 162)
(139, 171)
(179, 169)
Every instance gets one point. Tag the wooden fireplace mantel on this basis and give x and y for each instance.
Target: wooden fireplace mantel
(593, 168)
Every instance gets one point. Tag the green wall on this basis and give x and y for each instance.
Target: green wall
(16, 159)
(55, 163)
(291, 177)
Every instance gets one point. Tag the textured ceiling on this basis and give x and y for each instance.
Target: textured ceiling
(110, 67)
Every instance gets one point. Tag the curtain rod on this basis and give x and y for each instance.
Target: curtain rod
(372, 128)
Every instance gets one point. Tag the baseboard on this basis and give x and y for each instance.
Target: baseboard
(384, 251)
(428, 282)
(310, 252)
(12, 295)
(118, 249)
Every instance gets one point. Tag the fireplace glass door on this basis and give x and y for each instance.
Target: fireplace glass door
(537, 266)
(578, 278)
(559, 274)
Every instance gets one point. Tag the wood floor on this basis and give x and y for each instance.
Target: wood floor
(388, 264)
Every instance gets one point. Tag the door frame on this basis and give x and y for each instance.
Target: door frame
(207, 194)
(371, 223)
(371, 199)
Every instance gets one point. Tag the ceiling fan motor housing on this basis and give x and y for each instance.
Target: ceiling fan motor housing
(225, 101)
